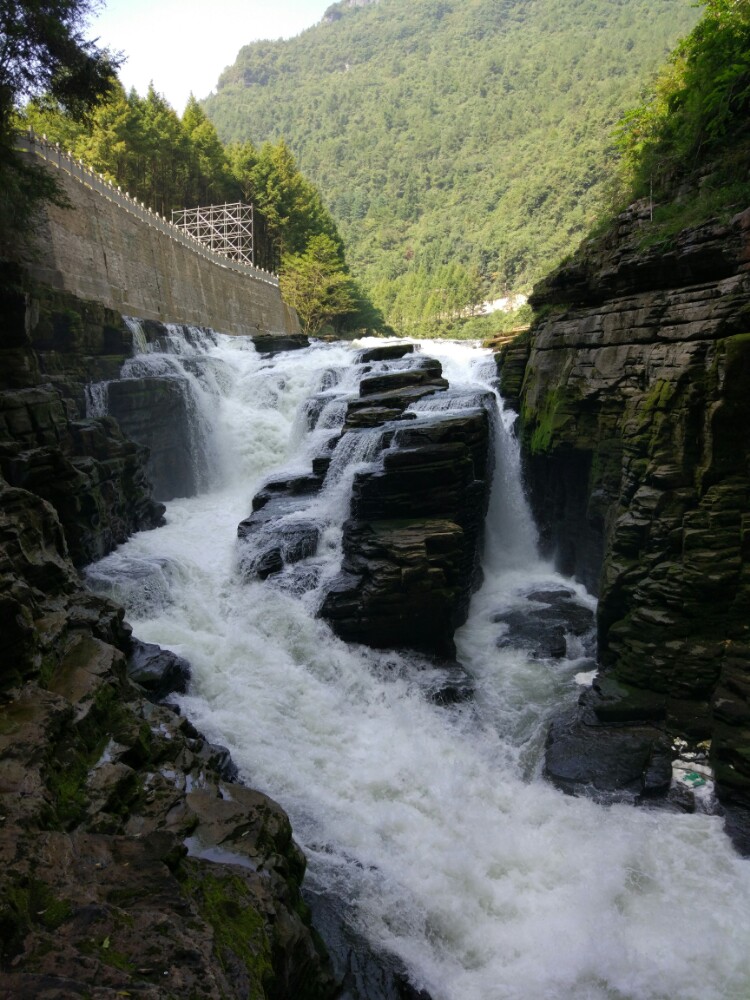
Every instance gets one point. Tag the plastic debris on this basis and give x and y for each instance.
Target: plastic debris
(693, 779)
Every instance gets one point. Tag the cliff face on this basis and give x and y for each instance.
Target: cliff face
(51, 345)
(112, 808)
(634, 398)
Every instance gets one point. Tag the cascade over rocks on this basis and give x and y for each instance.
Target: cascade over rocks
(410, 546)
(635, 402)
(133, 863)
(86, 468)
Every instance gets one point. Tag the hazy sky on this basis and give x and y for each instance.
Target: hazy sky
(184, 45)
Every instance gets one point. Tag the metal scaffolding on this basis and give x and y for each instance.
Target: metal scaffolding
(225, 229)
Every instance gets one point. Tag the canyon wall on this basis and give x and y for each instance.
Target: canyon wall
(113, 805)
(99, 251)
(634, 396)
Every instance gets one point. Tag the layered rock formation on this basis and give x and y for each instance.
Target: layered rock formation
(634, 397)
(133, 863)
(51, 346)
(411, 542)
(410, 547)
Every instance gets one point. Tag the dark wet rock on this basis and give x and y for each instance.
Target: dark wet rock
(155, 412)
(271, 343)
(737, 825)
(132, 863)
(629, 761)
(51, 345)
(541, 625)
(451, 685)
(320, 466)
(551, 596)
(280, 491)
(401, 585)
(468, 426)
(276, 545)
(160, 337)
(542, 639)
(391, 402)
(611, 702)
(429, 493)
(406, 378)
(87, 469)
(388, 352)
(372, 416)
(364, 974)
(274, 539)
(433, 480)
(158, 670)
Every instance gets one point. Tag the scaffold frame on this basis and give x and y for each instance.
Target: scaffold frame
(228, 229)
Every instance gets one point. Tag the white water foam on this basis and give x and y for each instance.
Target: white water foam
(429, 824)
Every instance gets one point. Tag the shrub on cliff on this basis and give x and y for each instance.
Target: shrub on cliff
(698, 113)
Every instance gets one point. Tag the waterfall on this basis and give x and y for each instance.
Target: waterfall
(97, 399)
(140, 343)
(166, 398)
(428, 828)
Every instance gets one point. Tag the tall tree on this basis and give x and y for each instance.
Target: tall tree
(43, 51)
(291, 204)
(243, 159)
(209, 159)
(315, 284)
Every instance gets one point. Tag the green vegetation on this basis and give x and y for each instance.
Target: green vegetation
(695, 123)
(44, 52)
(463, 146)
(25, 903)
(550, 418)
(168, 162)
(240, 932)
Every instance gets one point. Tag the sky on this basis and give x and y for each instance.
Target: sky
(183, 45)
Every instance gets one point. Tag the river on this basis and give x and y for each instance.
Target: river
(428, 827)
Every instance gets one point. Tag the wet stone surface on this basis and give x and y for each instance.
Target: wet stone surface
(543, 624)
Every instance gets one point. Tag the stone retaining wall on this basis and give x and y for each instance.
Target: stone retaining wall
(99, 251)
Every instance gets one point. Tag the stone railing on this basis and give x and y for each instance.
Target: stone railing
(57, 157)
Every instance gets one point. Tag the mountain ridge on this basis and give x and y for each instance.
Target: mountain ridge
(474, 134)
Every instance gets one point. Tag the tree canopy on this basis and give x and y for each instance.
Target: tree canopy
(43, 53)
(462, 146)
(697, 114)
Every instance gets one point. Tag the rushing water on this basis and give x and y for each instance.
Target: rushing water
(429, 826)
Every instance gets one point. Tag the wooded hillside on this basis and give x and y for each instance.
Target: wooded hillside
(462, 146)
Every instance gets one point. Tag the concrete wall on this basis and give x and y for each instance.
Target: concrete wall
(98, 250)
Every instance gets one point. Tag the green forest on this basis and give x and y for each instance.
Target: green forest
(463, 146)
(686, 146)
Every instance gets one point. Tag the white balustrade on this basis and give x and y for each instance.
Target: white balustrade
(76, 168)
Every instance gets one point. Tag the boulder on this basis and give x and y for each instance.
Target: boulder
(388, 352)
(628, 762)
(276, 343)
(158, 670)
(402, 585)
(274, 536)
